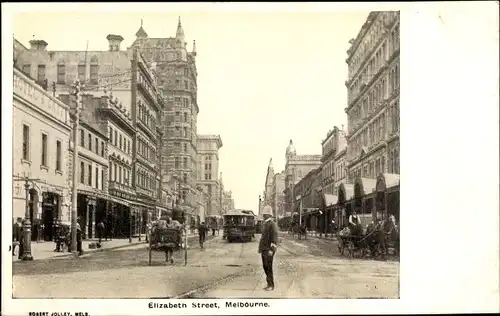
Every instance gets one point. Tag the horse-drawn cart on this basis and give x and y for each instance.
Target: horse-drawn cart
(165, 239)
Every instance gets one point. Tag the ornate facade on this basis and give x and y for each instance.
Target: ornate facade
(177, 82)
(373, 98)
(296, 167)
(41, 134)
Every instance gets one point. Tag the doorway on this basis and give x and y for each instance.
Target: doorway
(49, 215)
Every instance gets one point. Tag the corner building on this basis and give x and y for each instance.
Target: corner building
(373, 98)
(41, 133)
(373, 119)
(177, 82)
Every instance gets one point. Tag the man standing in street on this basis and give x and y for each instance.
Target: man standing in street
(267, 245)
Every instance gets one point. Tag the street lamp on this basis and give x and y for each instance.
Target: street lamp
(27, 226)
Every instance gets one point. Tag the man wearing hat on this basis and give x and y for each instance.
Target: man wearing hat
(267, 245)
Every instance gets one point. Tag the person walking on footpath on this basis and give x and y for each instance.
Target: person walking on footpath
(100, 230)
(202, 233)
(16, 236)
(268, 244)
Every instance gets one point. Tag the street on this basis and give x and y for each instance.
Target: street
(303, 269)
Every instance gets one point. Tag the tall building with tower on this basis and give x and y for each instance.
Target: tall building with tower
(177, 82)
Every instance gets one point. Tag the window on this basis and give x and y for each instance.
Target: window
(185, 148)
(82, 172)
(44, 150)
(97, 178)
(176, 163)
(177, 147)
(111, 135)
(94, 73)
(102, 180)
(185, 84)
(128, 141)
(185, 177)
(120, 179)
(177, 83)
(26, 142)
(61, 74)
(116, 138)
(185, 117)
(97, 146)
(41, 73)
(120, 143)
(81, 72)
(58, 155)
(115, 178)
(90, 142)
(102, 148)
(185, 162)
(27, 70)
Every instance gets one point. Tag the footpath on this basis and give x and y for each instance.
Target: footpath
(46, 249)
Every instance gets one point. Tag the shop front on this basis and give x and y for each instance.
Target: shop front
(329, 206)
(387, 196)
(364, 195)
(345, 204)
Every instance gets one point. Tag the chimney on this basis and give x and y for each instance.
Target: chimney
(114, 42)
(38, 45)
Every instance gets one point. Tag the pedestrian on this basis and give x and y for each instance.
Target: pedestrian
(79, 239)
(16, 235)
(100, 230)
(268, 244)
(202, 232)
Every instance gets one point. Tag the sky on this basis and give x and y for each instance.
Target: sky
(263, 78)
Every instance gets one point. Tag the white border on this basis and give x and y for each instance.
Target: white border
(449, 162)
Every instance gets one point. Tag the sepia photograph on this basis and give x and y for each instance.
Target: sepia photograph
(183, 157)
(122, 191)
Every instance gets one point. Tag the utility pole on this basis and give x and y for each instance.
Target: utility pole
(77, 92)
(27, 224)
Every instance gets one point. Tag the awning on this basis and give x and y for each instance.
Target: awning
(367, 185)
(330, 199)
(118, 200)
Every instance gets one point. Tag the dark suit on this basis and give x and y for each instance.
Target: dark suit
(269, 236)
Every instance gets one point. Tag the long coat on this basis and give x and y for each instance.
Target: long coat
(269, 235)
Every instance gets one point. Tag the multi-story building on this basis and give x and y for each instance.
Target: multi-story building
(296, 167)
(373, 98)
(307, 192)
(41, 133)
(373, 109)
(117, 122)
(333, 166)
(177, 81)
(277, 195)
(147, 106)
(208, 170)
(92, 166)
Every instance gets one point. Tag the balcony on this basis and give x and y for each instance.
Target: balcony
(118, 189)
(142, 191)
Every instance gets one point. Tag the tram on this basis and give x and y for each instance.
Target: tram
(239, 225)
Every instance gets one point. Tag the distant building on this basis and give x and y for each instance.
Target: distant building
(296, 167)
(308, 197)
(277, 195)
(41, 133)
(208, 170)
